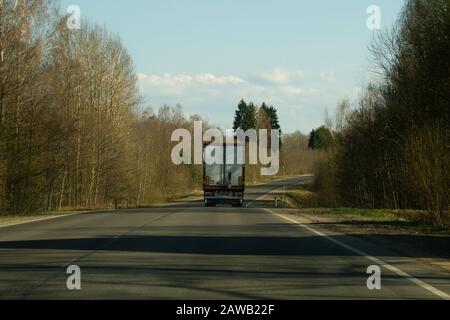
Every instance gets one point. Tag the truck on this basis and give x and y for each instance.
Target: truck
(224, 181)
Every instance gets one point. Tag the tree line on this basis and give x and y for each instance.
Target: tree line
(249, 116)
(73, 133)
(393, 150)
(73, 129)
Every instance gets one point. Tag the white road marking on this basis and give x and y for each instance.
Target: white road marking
(378, 261)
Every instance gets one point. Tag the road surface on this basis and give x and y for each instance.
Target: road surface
(187, 251)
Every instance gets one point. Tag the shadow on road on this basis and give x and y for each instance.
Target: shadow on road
(390, 234)
(210, 245)
(269, 202)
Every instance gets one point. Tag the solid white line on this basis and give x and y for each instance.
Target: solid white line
(378, 261)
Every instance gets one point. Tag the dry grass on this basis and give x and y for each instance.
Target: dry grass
(304, 197)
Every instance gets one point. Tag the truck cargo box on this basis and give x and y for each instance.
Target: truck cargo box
(224, 181)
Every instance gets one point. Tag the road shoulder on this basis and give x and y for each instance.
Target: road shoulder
(427, 247)
(10, 221)
(437, 284)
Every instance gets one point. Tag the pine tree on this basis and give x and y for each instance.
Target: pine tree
(321, 139)
(249, 120)
(312, 144)
(274, 120)
(239, 114)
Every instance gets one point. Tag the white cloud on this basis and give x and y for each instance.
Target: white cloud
(292, 90)
(281, 76)
(178, 85)
(210, 79)
(278, 85)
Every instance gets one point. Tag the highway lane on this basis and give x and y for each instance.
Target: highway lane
(187, 251)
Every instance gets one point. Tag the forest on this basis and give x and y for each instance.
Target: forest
(390, 149)
(74, 130)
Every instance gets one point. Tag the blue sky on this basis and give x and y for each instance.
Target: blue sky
(301, 56)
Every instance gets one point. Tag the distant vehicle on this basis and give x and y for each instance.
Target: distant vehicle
(224, 183)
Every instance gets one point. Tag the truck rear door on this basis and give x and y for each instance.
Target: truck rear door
(214, 173)
(234, 168)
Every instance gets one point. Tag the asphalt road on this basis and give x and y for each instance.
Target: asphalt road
(187, 251)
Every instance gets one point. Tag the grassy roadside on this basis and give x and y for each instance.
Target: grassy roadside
(304, 197)
(407, 232)
(7, 219)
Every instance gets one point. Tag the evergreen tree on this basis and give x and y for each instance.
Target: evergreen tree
(272, 114)
(249, 117)
(321, 139)
(274, 120)
(239, 114)
(312, 144)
